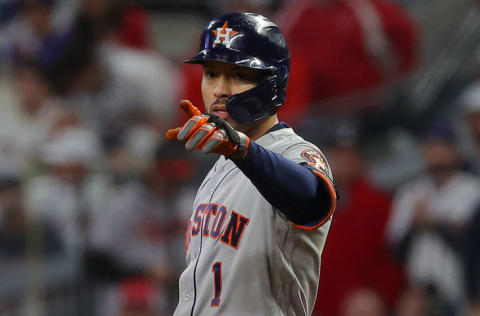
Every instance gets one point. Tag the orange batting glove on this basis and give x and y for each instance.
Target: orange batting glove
(191, 111)
(210, 134)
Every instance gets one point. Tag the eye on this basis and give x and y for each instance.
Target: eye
(209, 73)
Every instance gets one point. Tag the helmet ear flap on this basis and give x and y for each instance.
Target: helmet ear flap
(255, 104)
(281, 83)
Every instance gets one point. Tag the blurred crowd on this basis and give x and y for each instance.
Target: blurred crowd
(94, 203)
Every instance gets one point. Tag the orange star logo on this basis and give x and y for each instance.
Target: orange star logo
(223, 34)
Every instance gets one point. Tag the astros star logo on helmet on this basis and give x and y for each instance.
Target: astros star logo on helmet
(223, 34)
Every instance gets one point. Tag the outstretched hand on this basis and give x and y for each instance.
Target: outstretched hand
(209, 134)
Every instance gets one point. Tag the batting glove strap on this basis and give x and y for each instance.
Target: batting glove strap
(243, 146)
(240, 140)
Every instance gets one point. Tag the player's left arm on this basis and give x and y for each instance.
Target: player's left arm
(304, 193)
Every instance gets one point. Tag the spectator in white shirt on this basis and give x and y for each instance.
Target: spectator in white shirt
(428, 216)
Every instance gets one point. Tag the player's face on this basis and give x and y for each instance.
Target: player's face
(440, 156)
(222, 80)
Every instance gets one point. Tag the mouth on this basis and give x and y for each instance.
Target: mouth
(220, 110)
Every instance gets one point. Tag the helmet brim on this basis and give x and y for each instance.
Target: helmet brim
(225, 55)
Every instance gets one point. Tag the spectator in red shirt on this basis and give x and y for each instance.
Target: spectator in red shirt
(354, 49)
(138, 297)
(355, 255)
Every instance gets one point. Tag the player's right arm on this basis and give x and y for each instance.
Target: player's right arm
(305, 194)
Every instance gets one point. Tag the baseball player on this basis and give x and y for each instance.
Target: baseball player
(261, 216)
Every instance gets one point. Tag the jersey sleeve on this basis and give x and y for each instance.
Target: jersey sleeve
(303, 193)
(309, 154)
(311, 157)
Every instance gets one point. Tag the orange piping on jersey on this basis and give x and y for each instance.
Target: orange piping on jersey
(333, 196)
(188, 235)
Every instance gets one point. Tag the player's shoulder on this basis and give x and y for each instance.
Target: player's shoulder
(295, 148)
(283, 140)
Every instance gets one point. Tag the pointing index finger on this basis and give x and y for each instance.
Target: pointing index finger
(189, 108)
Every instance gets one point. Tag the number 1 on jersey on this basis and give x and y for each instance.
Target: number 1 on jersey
(217, 283)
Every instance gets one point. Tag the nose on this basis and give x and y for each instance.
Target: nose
(222, 87)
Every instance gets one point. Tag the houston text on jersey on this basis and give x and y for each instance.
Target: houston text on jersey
(213, 218)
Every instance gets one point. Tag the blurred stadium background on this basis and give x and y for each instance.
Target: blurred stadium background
(94, 202)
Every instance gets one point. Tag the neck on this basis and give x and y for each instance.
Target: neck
(262, 128)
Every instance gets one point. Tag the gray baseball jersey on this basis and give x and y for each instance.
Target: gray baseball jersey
(243, 256)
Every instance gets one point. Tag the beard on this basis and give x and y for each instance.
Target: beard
(442, 171)
(219, 101)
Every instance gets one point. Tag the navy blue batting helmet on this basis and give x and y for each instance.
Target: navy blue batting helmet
(253, 41)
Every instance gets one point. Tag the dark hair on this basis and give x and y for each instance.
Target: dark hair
(74, 56)
(8, 182)
(438, 131)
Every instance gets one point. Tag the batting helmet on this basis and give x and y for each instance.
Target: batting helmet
(253, 41)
